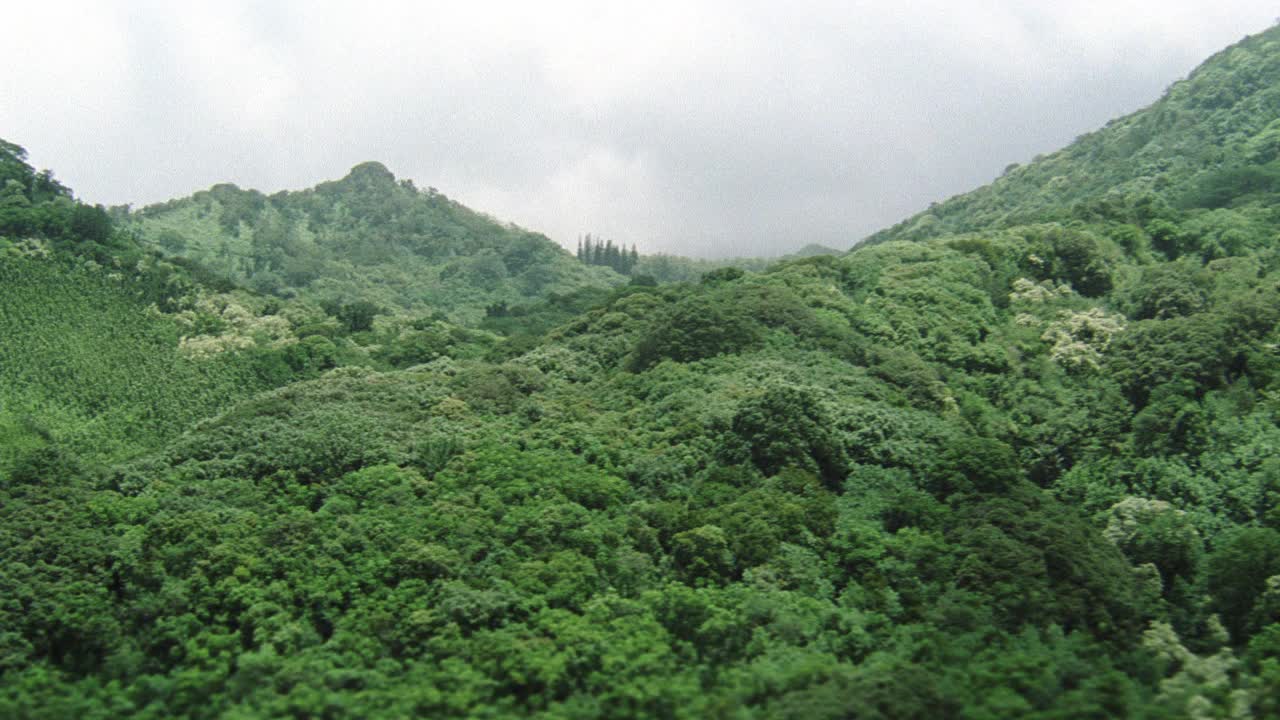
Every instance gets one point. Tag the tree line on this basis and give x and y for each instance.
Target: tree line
(597, 251)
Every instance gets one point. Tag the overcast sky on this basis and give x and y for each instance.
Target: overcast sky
(702, 128)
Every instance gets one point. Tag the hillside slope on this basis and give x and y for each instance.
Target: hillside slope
(111, 350)
(366, 237)
(1211, 143)
(91, 370)
(1018, 467)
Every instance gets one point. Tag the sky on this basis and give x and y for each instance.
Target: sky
(697, 128)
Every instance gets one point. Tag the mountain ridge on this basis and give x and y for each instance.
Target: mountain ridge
(366, 236)
(1221, 114)
(1011, 463)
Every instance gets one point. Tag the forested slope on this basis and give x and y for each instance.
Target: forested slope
(112, 349)
(1209, 149)
(83, 362)
(1022, 465)
(91, 369)
(366, 237)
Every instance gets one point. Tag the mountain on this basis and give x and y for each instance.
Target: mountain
(813, 249)
(367, 237)
(90, 370)
(1015, 461)
(1212, 143)
(112, 349)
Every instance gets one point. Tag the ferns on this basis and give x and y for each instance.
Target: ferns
(102, 374)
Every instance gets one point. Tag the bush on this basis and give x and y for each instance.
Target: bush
(788, 426)
(699, 327)
(1241, 562)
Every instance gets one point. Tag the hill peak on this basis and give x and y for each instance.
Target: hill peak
(368, 175)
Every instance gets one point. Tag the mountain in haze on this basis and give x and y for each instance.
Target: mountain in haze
(1211, 143)
(366, 237)
(812, 250)
(1017, 460)
(113, 348)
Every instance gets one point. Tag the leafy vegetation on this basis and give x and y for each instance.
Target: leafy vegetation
(1017, 460)
(365, 238)
(592, 251)
(84, 367)
(1202, 157)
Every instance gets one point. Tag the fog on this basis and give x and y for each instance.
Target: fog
(699, 128)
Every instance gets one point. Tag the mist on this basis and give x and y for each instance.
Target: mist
(703, 129)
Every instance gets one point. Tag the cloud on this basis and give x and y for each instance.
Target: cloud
(694, 127)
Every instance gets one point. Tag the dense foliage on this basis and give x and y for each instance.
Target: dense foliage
(1208, 149)
(83, 365)
(1015, 461)
(594, 251)
(665, 268)
(365, 238)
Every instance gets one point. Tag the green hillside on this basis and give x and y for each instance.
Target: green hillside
(84, 364)
(366, 237)
(1208, 151)
(1019, 460)
(91, 369)
(111, 350)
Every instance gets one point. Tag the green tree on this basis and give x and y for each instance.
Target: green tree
(788, 426)
(1239, 565)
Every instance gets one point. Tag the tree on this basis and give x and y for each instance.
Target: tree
(91, 223)
(358, 316)
(1238, 568)
(1150, 353)
(1153, 531)
(702, 554)
(15, 210)
(976, 464)
(1167, 237)
(788, 426)
(173, 241)
(698, 327)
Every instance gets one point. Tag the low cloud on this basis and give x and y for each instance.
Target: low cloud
(714, 128)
